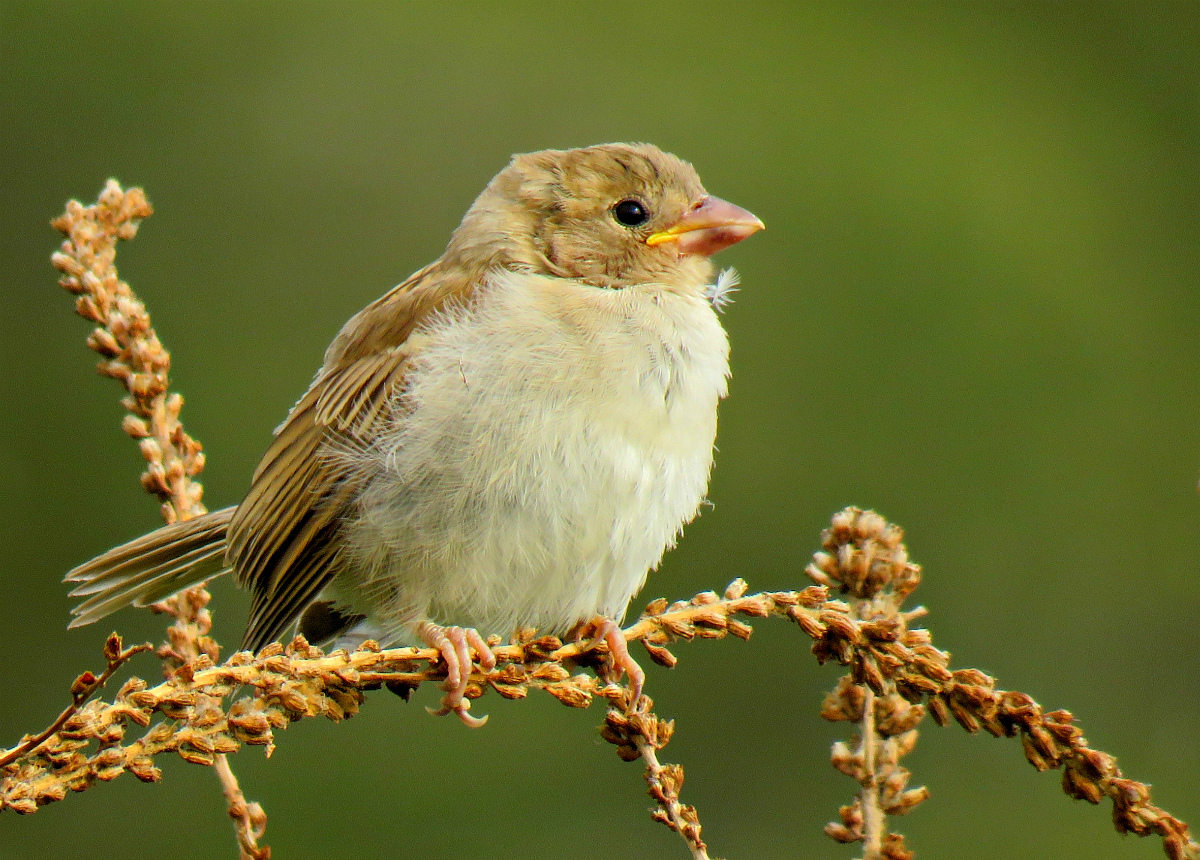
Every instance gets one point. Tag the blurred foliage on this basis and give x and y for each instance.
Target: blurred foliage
(974, 309)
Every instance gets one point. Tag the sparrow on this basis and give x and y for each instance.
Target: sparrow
(512, 437)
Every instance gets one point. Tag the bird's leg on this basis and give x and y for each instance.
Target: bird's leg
(455, 644)
(620, 660)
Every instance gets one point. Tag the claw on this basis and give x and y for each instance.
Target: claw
(455, 644)
(621, 661)
(461, 710)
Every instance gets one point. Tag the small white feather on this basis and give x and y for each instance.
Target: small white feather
(721, 293)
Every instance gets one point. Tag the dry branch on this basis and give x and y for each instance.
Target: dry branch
(131, 350)
(134, 355)
(288, 684)
(863, 556)
(84, 687)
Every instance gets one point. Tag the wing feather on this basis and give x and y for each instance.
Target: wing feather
(283, 539)
(353, 397)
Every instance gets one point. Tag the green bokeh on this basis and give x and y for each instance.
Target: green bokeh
(974, 309)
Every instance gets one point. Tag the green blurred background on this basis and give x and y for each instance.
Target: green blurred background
(974, 309)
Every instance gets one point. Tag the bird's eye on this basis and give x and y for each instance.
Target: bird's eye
(630, 213)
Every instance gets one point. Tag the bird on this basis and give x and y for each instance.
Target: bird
(511, 437)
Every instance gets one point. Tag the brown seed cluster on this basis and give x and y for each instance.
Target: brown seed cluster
(887, 734)
(22, 795)
(189, 636)
(300, 681)
(188, 640)
(895, 669)
(131, 350)
(200, 723)
(134, 355)
(288, 684)
(862, 556)
(638, 733)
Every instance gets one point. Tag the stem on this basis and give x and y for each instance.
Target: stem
(239, 811)
(873, 818)
(659, 786)
(84, 689)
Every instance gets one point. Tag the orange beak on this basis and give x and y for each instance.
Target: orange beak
(713, 225)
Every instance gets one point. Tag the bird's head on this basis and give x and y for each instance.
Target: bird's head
(610, 216)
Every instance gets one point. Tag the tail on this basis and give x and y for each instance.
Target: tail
(152, 567)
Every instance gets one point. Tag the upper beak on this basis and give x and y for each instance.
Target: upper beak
(712, 226)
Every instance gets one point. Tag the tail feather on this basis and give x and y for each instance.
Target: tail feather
(151, 567)
(147, 568)
(152, 586)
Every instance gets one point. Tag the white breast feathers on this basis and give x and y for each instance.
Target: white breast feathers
(555, 438)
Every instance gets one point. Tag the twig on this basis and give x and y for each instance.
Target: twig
(135, 356)
(665, 782)
(251, 821)
(83, 688)
(867, 562)
(301, 681)
(638, 733)
(188, 639)
(864, 557)
(131, 350)
(873, 820)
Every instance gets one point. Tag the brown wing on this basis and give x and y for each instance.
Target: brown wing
(283, 539)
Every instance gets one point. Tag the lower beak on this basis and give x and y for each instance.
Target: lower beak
(712, 226)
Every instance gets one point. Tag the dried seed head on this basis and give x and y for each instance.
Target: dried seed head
(841, 833)
(569, 695)
(660, 655)
(845, 760)
(736, 589)
(656, 607)
(143, 768)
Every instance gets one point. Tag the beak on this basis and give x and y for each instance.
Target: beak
(712, 226)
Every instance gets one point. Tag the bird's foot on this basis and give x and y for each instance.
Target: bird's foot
(455, 644)
(620, 660)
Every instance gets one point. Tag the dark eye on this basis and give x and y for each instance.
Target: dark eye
(630, 213)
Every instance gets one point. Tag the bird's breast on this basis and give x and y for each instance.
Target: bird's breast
(555, 438)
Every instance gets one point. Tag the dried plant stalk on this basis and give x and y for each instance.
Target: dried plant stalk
(131, 350)
(188, 640)
(134, 355)
(864, 557)
(638, 733)
(84, 687)
(301, 681)
(873, 569)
